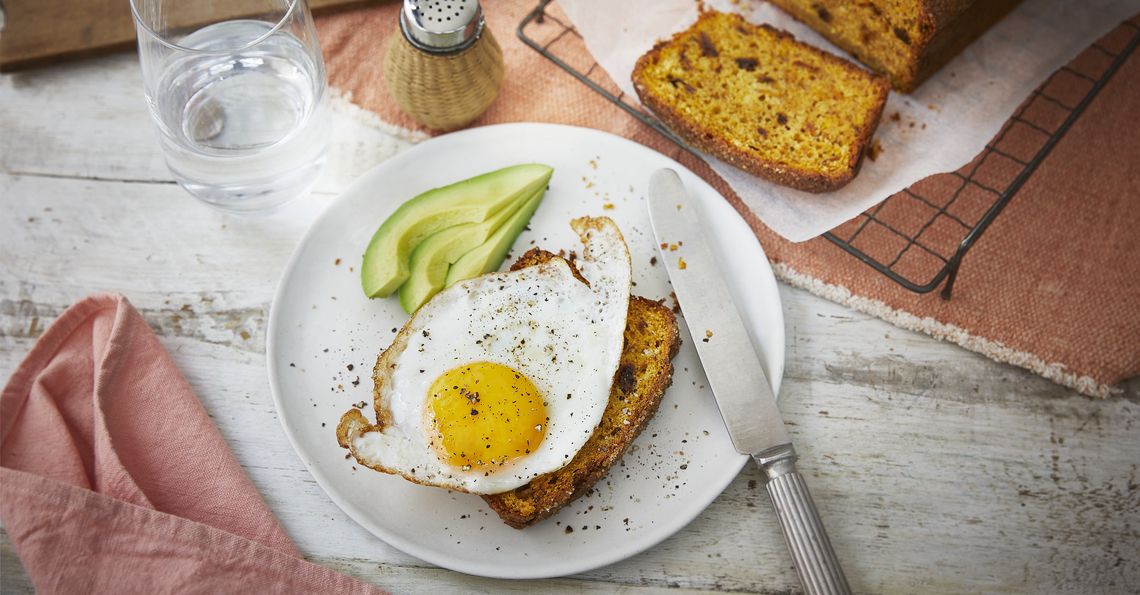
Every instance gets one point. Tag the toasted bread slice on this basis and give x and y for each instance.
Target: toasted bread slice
(645, 371)
(760, 100)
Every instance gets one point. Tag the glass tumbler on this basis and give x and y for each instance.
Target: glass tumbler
(237, 92)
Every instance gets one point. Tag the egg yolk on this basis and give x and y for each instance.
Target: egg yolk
(485, 415)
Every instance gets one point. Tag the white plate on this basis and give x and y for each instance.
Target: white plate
(320, 323)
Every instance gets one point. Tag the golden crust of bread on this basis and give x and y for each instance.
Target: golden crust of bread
(645, 371)
(762, 101)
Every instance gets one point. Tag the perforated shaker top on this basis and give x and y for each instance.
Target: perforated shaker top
(441, 24)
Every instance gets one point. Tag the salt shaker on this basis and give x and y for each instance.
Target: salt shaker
(446, 67)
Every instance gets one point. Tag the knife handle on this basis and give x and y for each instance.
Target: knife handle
(814, 558)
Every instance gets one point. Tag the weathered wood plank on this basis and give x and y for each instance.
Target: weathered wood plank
(937, 471)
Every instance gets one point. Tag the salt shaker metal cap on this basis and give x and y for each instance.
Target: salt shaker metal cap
(441, 26)
(444, 68)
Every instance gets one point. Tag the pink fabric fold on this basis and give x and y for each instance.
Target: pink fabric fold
(114, 478)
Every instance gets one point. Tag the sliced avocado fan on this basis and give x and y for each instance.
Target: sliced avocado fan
(430, 260)
(489, 255)
(475, 200)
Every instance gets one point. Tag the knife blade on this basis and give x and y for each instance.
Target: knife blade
(736, 376)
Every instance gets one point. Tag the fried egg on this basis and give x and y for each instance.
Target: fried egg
(501, 378)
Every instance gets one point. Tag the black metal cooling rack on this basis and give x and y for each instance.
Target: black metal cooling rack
(953, 209)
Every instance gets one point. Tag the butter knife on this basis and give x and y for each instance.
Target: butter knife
(737, 378)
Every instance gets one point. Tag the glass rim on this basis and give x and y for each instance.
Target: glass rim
(140, 23)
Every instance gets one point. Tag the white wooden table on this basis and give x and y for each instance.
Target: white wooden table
(936, 469)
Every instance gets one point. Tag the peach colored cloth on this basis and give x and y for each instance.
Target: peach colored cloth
(114, 479)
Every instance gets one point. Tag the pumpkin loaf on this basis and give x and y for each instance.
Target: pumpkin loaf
(908, 40)
(755, 97)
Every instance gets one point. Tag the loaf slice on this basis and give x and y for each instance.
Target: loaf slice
(645, 371)
(757, 98)
(908, 40)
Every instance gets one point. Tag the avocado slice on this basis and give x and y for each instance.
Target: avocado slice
(489, 255)
(473, 200)
(432, 257)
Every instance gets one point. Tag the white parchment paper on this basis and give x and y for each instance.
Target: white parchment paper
(954, 113)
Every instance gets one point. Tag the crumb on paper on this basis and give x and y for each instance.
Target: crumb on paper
(681, 264)
(895, 117)
(875, 150)
(653, 261)
(673, 247)
(336, 262)
(609, 206)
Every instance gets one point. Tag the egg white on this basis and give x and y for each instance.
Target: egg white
(564, 335)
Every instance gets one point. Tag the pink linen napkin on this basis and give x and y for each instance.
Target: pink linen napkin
(113, 477)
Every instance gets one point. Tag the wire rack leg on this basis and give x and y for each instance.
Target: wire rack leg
(951, 275)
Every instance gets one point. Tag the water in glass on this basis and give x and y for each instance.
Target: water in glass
(242, 114)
